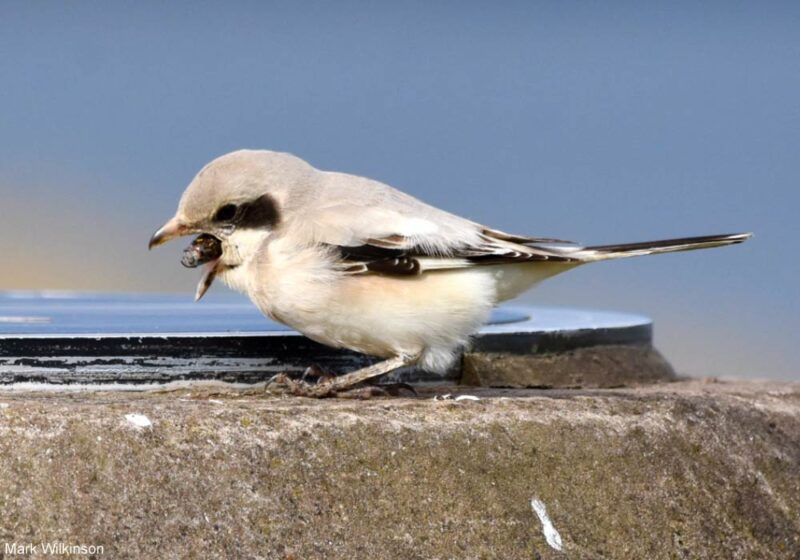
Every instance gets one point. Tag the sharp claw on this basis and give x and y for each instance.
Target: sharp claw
(280, 381)
(283, 384)
(327, 385)
(275, 378)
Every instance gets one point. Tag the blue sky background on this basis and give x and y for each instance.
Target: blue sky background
(600, 122)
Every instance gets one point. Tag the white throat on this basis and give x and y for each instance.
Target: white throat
(239, 250)
(242, 246)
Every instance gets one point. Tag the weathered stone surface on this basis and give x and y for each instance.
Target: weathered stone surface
(679, 470)
(591, 367)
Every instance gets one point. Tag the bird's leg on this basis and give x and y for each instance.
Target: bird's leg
(332, 386)
(353, 378)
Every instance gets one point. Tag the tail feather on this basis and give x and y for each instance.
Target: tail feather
(623, 250)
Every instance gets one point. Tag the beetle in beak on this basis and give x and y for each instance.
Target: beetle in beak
(204, 250)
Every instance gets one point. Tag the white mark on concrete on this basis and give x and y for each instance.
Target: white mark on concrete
(139, 421)
(215, 401)
(449, 397)
(4, 405)
(550, 533)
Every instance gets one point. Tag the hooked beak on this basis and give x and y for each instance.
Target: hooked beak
(209, 273)
(172, 229)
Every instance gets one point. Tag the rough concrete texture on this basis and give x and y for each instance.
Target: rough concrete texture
(591, 367)
(681, 470)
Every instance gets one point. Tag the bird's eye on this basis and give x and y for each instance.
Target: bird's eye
(225, 213)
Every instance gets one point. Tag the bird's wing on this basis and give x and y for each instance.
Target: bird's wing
(386, 240)
(400, 255)
(370, 227)
(373, 228)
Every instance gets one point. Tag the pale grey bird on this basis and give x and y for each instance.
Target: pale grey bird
(353, 263)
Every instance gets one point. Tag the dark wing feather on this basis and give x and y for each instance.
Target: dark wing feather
(522, 239)
(398, 255)
(374, 258)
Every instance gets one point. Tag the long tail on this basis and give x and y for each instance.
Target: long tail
(624, 250)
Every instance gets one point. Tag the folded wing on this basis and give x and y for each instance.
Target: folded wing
(398, 254)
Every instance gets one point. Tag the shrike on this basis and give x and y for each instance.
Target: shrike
(353, 263)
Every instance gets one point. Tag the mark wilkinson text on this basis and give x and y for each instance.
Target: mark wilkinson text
(54, 548)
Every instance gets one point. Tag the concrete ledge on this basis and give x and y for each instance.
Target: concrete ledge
(592, 367)
(677, 470)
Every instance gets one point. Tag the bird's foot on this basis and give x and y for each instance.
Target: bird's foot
(349, 385)
(282, 384)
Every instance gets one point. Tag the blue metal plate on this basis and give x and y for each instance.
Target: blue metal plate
(76, 314)
(115, 338)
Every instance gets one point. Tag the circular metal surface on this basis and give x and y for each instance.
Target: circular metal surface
(59, 337)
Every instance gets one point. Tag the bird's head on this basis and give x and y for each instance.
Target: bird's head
(239, 199)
